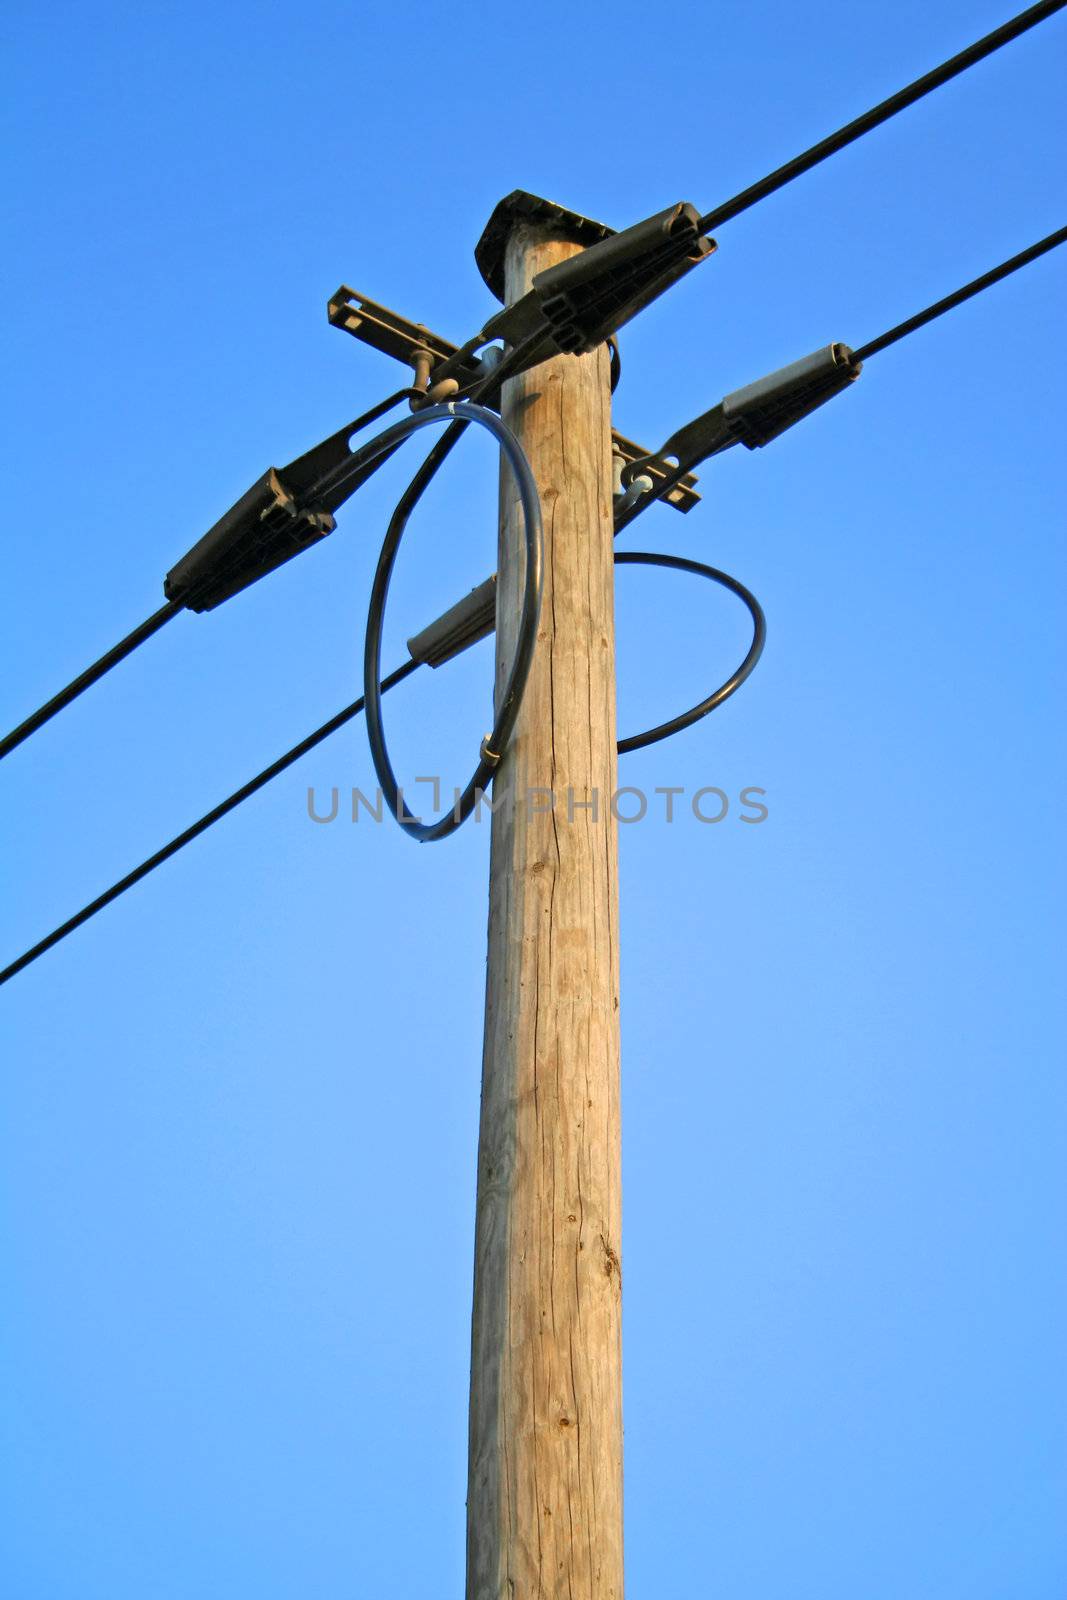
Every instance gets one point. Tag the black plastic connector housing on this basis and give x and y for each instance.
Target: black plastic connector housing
(582, 300)
(284, 512)
(759, 412)
(262, 531)
(589, 296)
(469, 620)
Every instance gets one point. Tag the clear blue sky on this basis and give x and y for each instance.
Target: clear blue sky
(240, 1108)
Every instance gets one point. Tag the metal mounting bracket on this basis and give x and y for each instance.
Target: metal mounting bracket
(407, 342)
(683, 496)
(391, 333)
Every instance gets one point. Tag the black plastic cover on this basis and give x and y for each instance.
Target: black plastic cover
(582, 300)
(284, 512)
(591, 295)
(759, 412)
(470, 619)
(522, 207)
(763, 410)
(262, 531)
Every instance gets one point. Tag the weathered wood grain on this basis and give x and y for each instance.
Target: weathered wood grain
(545, 1484)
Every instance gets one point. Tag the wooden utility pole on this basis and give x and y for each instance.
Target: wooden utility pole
(544, 1510)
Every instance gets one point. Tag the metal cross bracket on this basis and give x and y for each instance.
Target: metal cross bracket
(421, 349)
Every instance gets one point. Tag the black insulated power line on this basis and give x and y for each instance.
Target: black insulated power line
(761, 411)
(208, 820)
(957, 298)
(84, 680)
(579, 302)
(880, 113)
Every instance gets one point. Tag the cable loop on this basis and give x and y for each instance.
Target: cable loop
(459, 414)
(666, 730)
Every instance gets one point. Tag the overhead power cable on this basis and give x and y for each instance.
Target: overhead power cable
(957, 298)
(880, 113)
(761, 411)
(117, 653)
(208, 820)
(578, 303)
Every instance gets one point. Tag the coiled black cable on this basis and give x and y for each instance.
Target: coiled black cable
(685, 719)
(495, 743)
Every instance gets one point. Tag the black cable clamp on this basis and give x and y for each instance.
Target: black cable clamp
(286, 511)
(759, 412)
(266, 528)
(469, 620)
(580, 302)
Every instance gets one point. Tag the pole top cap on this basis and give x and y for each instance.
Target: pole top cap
(519, 207)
